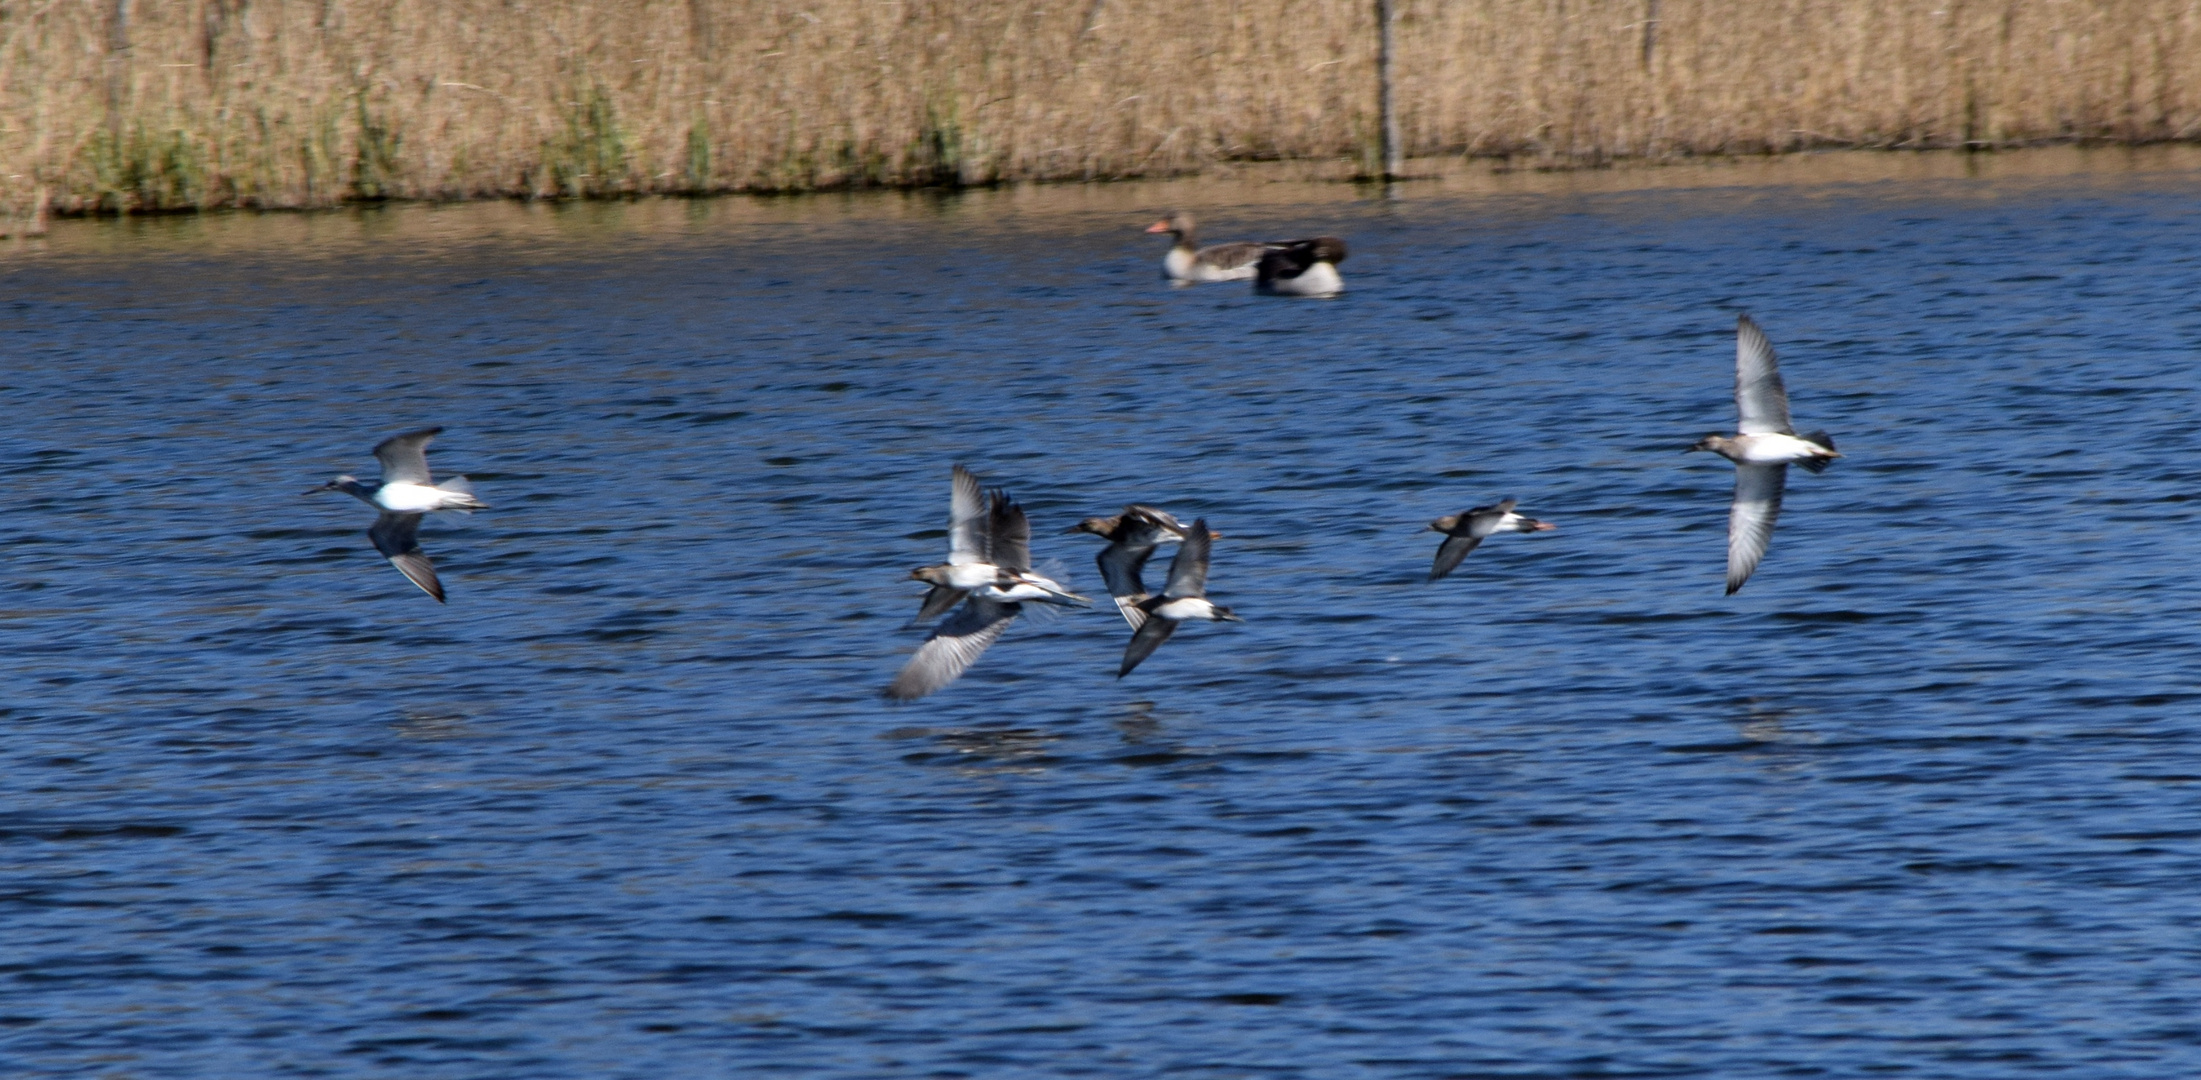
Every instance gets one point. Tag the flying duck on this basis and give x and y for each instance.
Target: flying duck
(1762, 449)
(1462, 531)
(1132, 537)
(1183, 598)
(989, 572)
(403, 494)
(973, 563)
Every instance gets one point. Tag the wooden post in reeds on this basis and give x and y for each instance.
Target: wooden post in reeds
(1386, 114)
(118, 64)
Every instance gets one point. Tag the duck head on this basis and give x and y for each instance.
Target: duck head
(347, 484)
(1178, 224)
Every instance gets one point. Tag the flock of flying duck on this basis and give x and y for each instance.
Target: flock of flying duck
(988, 577)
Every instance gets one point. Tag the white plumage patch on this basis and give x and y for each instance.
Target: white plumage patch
(1321, 279)
(419, 498)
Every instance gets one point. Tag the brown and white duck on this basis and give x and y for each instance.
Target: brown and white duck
(1301, 268)
(1464, 530)
(1132, 537)
(1188, 262)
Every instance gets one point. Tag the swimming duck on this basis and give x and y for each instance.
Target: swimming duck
(1301, 268)
(1186, 261)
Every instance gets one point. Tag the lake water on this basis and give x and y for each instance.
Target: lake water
(1924, 799)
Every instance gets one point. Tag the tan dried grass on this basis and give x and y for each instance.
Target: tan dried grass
(285, 103)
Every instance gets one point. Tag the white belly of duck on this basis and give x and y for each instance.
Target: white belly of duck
(973, 575)
(418, 498)
(1190, 607)
(1777, 449)
(1321, 279)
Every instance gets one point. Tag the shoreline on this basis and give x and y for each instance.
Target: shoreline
(1284, 195)
(1450, 176)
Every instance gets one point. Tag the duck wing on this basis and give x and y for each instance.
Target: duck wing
(397, 537)
(1231, 256)
(1761, 402)
(966, 521)
(938, 600)
(1008, 535)
(404, 457)
(1149, 638)
(954, 646)
(1451, 552)
(1120, 566)
(1188, 571)
(1750, 520)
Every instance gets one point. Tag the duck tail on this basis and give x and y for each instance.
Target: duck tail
(459, 485)
(1818, 465)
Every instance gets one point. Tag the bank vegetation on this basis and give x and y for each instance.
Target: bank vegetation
(140, 105)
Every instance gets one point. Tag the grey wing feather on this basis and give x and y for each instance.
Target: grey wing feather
(1761, 403)
(1750, 521)
(397, 537)
(1120, 566)
(404, 457)
(938, 600)
(1231, 256)
(1143, 643)
(1188, 571)
(966, 521)
(1132, 612)
(953, 647)
(1008, 535)
(1450, 553)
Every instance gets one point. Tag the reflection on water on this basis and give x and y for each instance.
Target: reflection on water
(1767, 722)
(1916, 801)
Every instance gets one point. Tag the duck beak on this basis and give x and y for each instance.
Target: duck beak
(1159, 226)
(315, 491)
(1544, 526)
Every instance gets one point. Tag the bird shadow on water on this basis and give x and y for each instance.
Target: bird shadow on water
(994, 749)
(982, 749)
(1766, 722)
(431, 724)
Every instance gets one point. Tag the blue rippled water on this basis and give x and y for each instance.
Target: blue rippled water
(1923, 800)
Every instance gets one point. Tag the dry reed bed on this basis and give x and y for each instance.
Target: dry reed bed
(279, 103)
